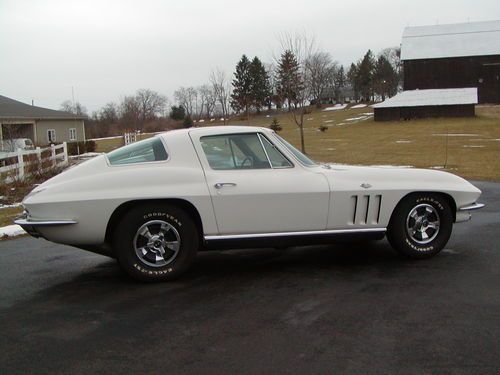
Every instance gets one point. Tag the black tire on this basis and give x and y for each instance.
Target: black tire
(414, 215)
(165, 225)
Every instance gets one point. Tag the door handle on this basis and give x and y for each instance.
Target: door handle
(220, 185)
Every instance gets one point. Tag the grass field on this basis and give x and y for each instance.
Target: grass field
(469, 147)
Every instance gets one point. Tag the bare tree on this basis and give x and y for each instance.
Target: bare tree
(187, 97)
(222, 91)
(130, 112)
(75, 108)
(207, 100)
(151, 104)
(108, 114)
(319, 75)
(302, 47)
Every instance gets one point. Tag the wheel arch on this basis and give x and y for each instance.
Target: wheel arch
(449, 199)
(180, 203)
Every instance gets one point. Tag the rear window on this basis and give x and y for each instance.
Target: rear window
(149, 150)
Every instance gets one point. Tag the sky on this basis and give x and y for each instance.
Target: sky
(102, 50)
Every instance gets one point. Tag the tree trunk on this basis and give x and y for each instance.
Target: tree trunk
(302, 143)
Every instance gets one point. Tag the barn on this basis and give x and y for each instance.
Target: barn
(453, 56)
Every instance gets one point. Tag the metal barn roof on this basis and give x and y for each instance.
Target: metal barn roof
(454, 40)
(13, 109)
(433, 97)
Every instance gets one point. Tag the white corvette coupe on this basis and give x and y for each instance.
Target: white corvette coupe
(155, 203)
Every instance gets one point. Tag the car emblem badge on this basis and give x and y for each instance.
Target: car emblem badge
(365, 185)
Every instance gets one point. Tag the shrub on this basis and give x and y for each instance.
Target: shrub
(187, 123)
(275, 125)
(75, 148)
(323, 128)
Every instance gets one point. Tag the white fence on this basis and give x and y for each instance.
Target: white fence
(12, 168)
(130, 138)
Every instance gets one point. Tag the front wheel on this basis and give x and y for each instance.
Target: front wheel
(421, 225)
(155, 243)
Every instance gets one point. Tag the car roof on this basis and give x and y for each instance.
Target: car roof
(218, 129)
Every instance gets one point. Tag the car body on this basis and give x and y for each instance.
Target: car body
(238, 186)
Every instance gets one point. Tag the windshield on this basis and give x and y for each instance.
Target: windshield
(299, 155)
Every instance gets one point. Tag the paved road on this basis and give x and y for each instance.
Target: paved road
(356, 309)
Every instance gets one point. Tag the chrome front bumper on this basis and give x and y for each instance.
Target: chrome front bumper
(463, 213)
(30, 226)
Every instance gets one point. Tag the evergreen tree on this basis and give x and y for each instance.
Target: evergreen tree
(177, 112)
(365, 70)
(385, 78)
(352, 78)
(241, 98)
(260, 85)
(339, 82)
(289, 80)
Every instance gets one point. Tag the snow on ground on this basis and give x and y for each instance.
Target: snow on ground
(328, 121)
(11, 231)
(455, 135)
(9, 205)
(201, 120)
(335, 107)
(212, 120)
(100, 139)
(310, 118)
(402, 141)
(437, 167)
(358, 106)
(86, 155)
(473, 146)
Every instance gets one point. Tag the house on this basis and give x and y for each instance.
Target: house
(43, 126)
(453, 56)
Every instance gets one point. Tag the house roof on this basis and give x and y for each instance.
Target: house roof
(13, 109)
(454, 40)
(433, 97)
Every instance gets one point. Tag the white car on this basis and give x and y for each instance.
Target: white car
(153, 204)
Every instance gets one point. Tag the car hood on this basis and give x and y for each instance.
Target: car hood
(393, 178)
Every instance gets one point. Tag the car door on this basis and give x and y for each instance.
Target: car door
(256, 189)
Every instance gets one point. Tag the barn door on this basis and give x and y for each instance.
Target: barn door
(489, 84)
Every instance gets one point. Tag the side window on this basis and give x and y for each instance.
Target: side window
(149, 150)
(235, 151)
(275, 156)
(72, 134)
(51, 135)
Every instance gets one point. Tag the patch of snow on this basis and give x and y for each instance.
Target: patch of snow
(10, 205)
(330, 149)
(201, 120)
(335, 107)
(100, 139)
(212, 120)
(455, 135)
(328, 121)
(221, 119)
(358, 106)
(437, 167)
(268, 116)
(310, 118)
(473, 146)
(402, 141)
(342, 123)
(86, 155)
(11, 231)
(367, 113)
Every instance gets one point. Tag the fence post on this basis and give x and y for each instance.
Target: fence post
(39, 155)
(65, 151)
(53, 155)
(20, 163)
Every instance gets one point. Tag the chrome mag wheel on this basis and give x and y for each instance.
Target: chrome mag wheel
(157, 243)
(422, 223)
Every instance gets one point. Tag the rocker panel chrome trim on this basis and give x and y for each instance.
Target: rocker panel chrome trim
(287, 234)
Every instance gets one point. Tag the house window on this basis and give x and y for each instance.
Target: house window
(72, 134)
(51, 135)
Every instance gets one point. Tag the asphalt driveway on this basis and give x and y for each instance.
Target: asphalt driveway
(345, 308)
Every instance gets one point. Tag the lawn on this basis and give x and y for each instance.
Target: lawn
(469, 147)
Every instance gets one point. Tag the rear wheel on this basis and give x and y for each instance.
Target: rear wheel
(155, 243)
(421, 225)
